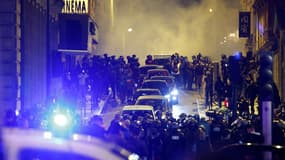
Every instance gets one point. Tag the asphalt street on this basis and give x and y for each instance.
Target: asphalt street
(190, 102)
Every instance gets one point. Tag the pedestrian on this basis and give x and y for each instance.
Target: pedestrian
(219, 89)
(199, 75)
(209, 89)
(190, 73)
(251, 93)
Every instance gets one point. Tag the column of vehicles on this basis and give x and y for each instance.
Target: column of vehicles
(156, 90)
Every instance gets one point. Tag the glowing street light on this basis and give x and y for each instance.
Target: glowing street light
(130, 29)
(232, 35)
(210, 10)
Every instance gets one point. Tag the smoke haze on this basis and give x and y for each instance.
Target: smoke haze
(168, 26)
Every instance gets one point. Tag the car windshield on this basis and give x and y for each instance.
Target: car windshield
(134, 114)
(168, 79)
(144, 69)
(158, 104)
(158, 73)
(149, 92)
(157, 85)
(162, 61)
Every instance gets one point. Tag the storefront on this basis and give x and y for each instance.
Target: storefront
(78, 31)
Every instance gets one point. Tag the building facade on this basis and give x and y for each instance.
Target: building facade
(268, 29)
(28, 36)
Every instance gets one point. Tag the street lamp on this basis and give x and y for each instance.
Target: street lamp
(130, 29)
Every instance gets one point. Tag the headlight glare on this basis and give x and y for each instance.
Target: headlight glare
(174, 92)
(60, 120)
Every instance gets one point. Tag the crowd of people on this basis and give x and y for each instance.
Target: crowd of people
(97, 76)
(189, 135)
(169, 138)
(182, 138)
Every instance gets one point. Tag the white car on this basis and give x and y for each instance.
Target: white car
(158, 102)
(138, 110)
(23, 144)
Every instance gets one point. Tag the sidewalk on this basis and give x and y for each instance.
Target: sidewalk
(200, 102)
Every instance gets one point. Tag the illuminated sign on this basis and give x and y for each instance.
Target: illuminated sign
(244, 24)
(75, 7)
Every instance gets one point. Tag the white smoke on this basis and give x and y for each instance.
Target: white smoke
(168, 26)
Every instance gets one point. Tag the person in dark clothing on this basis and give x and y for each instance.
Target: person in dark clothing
(10, 119)
(96, 127)
(190, 74)
(174, 143)
(243, 106)
(115, 130)
(199, 71)
(252, 136)
(276, 97)
(219, 88)
(209, 89)
(149, 60)
(115, 126)
(251, 94)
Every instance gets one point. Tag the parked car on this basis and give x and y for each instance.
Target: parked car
(164, 89)
(145, 91)
(173, 96)
(139, 110)
(143, 71)
(161, 85)
(158, 102)
(157, 72)
(170, 80)
(145, 68)
(163, 60)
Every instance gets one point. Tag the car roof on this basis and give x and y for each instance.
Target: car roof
(147, 89)
(152, 80)
(18, 139)
(162, 56)
(151, 97)
(162, 77)
(151, 65)
(157, 70)
(137, 107)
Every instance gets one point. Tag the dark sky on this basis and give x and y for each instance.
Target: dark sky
(167, 26)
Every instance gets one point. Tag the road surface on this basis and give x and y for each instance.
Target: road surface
(190, 102)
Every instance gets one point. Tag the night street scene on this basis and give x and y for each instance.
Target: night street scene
(142, 79)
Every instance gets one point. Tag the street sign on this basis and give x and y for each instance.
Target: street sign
(244, 24)
(75, 7)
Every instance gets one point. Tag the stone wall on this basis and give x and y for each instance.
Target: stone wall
(10, 56)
